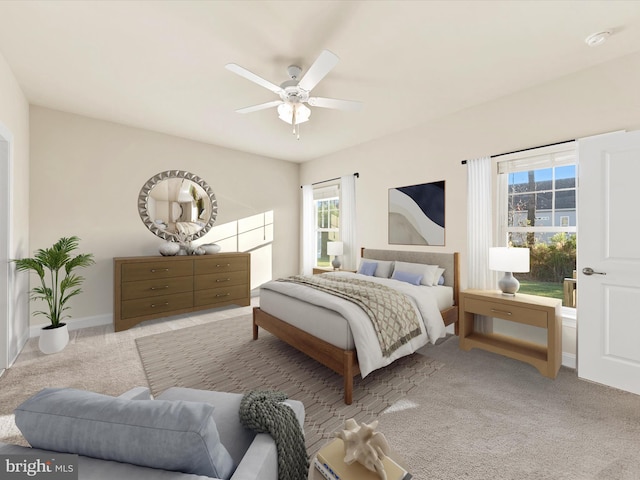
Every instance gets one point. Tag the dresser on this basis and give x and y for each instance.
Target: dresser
(153, 287)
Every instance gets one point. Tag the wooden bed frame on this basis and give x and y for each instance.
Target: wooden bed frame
(345, 362)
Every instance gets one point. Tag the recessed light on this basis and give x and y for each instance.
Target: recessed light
(597, 38)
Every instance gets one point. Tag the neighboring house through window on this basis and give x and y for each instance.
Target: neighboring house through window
(537, 208)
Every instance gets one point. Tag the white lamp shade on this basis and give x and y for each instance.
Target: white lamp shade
(334, 248)
(285, 112)
(506, 259)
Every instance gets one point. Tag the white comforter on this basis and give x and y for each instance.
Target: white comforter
(370, 355)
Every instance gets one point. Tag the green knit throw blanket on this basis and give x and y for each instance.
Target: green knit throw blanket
(264, 412)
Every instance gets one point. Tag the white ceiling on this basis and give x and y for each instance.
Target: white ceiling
(160, 65)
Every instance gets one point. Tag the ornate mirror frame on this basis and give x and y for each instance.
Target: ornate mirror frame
(143, 201)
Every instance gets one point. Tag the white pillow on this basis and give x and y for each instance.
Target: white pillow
(439, 272)
(428, 272)
(384, 269)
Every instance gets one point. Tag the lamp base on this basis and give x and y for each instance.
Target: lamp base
(509, 284)
(336, 263)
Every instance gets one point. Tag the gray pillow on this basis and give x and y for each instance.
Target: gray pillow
(171, 435)
(383, 270)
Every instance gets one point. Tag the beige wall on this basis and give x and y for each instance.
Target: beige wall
(598, 100)
(86, 175)
(14, 118)
(594, 101)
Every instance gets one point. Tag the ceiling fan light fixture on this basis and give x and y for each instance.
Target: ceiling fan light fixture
(286, 113)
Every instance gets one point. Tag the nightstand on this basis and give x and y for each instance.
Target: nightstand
(319, 270)
(532, 310)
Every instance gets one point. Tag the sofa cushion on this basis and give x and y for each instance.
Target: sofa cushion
(171, 435)
(98, 469)
(233, 435)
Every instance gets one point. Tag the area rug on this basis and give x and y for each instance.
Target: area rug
(223, 356)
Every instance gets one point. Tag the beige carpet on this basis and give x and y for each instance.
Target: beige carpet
(479, 416)
(222, 356)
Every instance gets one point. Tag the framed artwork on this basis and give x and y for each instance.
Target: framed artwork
(416, 214)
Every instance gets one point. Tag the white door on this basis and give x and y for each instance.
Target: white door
(609, 260)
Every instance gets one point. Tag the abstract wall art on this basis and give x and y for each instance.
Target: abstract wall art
(416, 214)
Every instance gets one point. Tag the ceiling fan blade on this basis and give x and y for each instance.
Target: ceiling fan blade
(323, 65)
(243, 72)
(262, 106)
(348, 105)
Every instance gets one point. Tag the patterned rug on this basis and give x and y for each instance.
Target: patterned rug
(222, 356)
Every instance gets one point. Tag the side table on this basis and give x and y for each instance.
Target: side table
(319, 270)
(533, 310)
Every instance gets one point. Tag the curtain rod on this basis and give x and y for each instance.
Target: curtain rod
(357, 175)
(464, 162)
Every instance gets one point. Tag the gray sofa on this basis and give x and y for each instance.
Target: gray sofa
(254, 455)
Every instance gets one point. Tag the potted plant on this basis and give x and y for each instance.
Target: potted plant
(58, 283)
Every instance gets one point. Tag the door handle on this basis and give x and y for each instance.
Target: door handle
(591, 271)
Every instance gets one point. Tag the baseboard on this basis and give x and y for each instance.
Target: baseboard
(77, 323)
(569, 360)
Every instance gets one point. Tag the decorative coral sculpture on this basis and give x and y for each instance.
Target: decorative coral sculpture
(364, 445)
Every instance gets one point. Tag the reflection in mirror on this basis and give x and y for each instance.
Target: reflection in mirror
(177, 203)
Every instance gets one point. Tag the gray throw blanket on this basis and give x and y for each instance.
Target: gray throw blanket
(391, 312)
(264, 412)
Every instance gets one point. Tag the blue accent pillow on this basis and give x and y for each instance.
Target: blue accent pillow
(171, 435)
(412, 278)
(368, 268)
(441, 280)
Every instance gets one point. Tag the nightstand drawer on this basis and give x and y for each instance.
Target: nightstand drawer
(537, 318)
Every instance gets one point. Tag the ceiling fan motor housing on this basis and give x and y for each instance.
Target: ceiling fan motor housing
(291, 93)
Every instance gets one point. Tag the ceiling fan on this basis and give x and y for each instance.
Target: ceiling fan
(294, 93)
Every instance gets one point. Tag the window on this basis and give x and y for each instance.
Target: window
(538, 209)
(327, 213)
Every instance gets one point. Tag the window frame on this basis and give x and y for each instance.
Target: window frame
(534, 159)
(325, 193)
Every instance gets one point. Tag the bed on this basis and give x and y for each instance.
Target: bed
(322, 327)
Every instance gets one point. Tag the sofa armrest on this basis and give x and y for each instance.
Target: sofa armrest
(137, 393)
(260, 462)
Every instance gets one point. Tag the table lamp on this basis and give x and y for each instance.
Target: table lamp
(509, 260)
(335, 249)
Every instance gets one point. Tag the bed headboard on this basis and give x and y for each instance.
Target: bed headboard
(448, 261)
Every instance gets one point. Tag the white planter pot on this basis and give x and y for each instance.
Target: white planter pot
(53, 340)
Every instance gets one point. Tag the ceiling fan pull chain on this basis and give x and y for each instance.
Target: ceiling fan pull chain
(295, 109)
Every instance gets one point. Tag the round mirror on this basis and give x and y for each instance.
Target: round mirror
(177, 203)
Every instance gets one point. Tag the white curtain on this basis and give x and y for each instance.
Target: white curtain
(348, 221)
(479, 230)
(308, 230)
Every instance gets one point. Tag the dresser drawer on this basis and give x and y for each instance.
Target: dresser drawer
(221, 263)
(151, 306)
(219, 295)
(223, 279)
(537, 318)
(157, 287)
(132, 272)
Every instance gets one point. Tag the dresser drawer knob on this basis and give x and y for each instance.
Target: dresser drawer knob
(223, 280)
(504, 312)
(227, 265)
(153, 305)
(223, 295)
(160, 288)
(154, 270)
